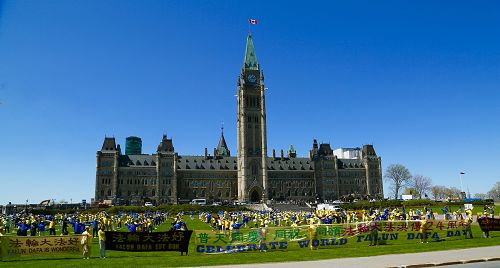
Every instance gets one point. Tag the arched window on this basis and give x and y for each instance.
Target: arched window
(153, 193)
(109, 192)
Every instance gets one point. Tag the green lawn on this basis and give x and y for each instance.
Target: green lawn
(293, 253)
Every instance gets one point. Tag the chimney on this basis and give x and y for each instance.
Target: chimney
(206, 153)
(282, 155)
(274, 154)
(215, 153)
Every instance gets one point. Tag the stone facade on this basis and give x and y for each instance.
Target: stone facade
(251, 176)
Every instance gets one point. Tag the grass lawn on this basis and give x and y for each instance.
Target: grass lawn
(293, 253)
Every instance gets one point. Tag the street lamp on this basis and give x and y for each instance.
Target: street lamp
(461, 182)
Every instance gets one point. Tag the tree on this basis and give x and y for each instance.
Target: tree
(480, 195)
(410, 191)
(421, 184)
(452, 193)
(438, 192)
(494, 193)
(399, 176)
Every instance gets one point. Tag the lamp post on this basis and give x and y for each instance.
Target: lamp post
(461, 182)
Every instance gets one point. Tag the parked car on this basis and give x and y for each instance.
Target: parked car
(199, 201)
(148, 204)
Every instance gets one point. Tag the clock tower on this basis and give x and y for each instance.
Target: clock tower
(251, 128)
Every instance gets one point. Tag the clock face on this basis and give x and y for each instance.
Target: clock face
(251, 78)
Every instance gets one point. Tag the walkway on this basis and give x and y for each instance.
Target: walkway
(409, 260)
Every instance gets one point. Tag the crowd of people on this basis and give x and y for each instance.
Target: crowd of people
(225, 220)
(38, 225)
(94, 225)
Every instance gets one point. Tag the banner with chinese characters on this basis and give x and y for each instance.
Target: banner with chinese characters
(11, 246)
(329, 235)
(157, 241)
(489, 224)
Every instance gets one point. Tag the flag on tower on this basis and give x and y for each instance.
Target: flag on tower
(252, 21)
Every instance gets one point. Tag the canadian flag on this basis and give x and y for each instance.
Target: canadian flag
(252, 21)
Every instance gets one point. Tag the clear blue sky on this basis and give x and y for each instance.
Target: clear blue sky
(418, 79)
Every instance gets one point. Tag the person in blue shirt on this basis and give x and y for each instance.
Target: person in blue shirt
(95, 228)
(445, 211)
(132, 227)
(23, 229)
(75, 226)
(41, 227)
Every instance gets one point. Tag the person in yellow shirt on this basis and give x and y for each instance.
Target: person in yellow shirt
(424, 227)
(52, 227)
(313, 235)
(102, 242)
(86, 242)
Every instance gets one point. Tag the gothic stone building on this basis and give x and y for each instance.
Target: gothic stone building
(251, 176)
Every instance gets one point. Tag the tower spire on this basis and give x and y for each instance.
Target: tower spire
(222, 148)
(250, 61)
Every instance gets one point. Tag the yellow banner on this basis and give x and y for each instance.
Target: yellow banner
(39, 245)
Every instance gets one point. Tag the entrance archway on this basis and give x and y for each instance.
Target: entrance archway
(255, 196)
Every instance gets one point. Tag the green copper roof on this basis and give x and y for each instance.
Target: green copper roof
(222, 147)
(250, 58)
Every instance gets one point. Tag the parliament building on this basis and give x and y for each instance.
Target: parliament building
(250, 176)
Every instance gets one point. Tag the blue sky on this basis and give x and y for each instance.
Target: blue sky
(418, 79)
